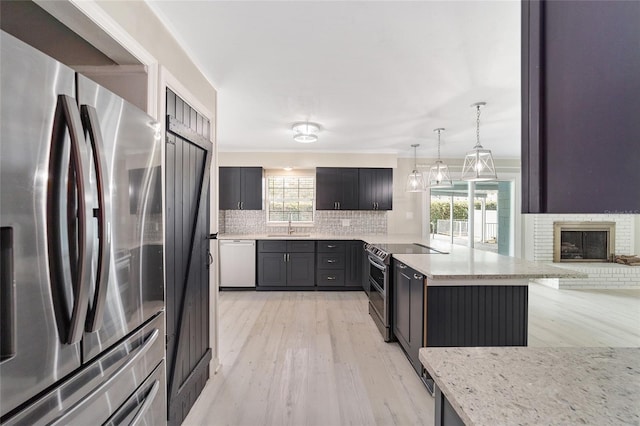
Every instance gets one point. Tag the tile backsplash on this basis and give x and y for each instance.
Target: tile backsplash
(325, 222)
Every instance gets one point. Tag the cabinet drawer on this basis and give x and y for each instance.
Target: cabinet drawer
(272, 246)
(301, 246)
(331, 246)
(331, 260)
(330, 278)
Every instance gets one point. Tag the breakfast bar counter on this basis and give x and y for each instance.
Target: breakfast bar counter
(535, 386)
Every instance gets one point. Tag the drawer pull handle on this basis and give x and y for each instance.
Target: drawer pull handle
(332, 246)
(417, 277)
(331, 261)
(401, 266)
(331, 278)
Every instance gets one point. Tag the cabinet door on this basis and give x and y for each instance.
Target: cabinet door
(251, 188)
(348, 189)
(375, 189)
(327, 188)
(229, 188)
(353, 266)
(272, 269)
(402, 304)
(336, 188)
(301, 270)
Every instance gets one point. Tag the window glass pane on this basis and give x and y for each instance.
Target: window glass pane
(290, 198)
(492, 215)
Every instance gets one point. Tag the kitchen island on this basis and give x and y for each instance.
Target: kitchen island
(534, 386)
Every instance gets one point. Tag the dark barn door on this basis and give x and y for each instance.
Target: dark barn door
(188, 160)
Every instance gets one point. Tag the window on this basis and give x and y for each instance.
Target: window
(492, 216)
(290, 198)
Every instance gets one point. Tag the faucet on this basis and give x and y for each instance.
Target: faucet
(289, 228)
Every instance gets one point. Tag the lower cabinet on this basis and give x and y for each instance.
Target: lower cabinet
(286, 263)
(408, 311)
(339, 264)
(309, 263)
(353, 264)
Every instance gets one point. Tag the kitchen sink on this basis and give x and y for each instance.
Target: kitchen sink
(289, 235)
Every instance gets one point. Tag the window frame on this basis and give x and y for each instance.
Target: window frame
(284, 174)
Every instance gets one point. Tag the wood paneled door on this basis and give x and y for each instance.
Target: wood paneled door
(188, 161)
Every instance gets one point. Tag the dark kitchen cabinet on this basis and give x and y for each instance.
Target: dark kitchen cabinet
(339, 264)
(284, 263)
(272, 269)
(330, 261)
(580, 107)
(240, 188)
(375, 189)
(353, 263)
(336, 188)
(408, 311)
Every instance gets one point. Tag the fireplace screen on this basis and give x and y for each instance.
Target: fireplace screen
(583, 242)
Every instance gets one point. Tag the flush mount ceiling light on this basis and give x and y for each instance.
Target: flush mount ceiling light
(305, 132)
(478, 164)
(439, 176)
(415, 180)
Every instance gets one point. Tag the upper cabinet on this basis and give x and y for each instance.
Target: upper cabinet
(375, 189)
(240, 188)
(340, 188)
(336, 188)
(580, 107)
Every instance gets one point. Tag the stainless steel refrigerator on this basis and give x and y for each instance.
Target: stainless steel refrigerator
(81, 266)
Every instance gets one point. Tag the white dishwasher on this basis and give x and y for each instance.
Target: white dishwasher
(237, 263)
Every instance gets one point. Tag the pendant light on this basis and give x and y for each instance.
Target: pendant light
(439, 176)
(415, 180)
(478, 164)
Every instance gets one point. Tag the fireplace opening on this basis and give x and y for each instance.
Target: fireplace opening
(583, 241)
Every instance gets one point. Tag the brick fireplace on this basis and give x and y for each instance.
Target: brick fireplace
(602, 274)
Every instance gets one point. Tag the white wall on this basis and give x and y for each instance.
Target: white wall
(305, 160)
(139, 21)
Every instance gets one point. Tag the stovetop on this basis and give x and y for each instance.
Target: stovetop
(384, 251)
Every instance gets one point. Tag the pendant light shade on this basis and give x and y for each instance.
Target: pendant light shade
(415, 180)
(439, 176)
(478, 163)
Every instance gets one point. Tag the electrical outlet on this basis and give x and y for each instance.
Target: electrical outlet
(346, 222)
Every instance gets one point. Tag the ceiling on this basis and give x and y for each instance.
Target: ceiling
(377, 76)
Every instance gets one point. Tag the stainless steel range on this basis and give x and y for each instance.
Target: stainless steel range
(381, 283)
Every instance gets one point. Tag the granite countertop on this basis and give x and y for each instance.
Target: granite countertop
(535, 386)
(460, 263)
(469, 264)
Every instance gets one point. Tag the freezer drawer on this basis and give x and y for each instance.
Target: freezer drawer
(237, 263)
(147, 406)
(95, 394)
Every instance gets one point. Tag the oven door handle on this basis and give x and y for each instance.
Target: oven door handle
(383, 268)
(377, 287)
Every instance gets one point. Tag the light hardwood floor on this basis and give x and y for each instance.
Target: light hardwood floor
(316, 358)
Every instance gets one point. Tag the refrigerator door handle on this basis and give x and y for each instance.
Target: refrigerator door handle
(148, 401)
(103, 214)
(67, 116)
